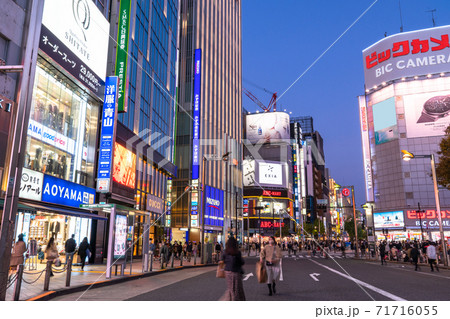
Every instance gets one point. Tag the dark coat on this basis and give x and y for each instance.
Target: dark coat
(82, 249)
(70, 245)
(233, 263)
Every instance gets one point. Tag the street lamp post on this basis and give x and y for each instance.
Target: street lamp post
(407, 156)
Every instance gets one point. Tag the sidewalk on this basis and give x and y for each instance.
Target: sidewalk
(33, 280)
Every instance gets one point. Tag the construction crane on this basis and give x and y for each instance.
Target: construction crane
(273, 101)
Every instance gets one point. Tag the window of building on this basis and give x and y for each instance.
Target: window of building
(4, 42)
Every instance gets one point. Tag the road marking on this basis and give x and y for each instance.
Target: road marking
(416, 272)
(308, 256)
(248, 276)
(313, 276)
(316, 256)
(362, 283)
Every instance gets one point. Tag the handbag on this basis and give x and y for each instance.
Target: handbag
(261, 272)
(88, 253)
(220, 273)
(57, 262)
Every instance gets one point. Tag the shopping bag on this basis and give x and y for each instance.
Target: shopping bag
(220, 273)
(57, 262)
(261, 272)
(281, 269)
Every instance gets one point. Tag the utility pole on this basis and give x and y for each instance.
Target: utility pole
(420, 219)
(18, 134)
(356, 225)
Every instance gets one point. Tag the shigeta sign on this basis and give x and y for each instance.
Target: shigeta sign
(82, 28)
(196, 114)
(407, 54)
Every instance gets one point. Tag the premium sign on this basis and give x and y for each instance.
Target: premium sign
(407, 54)
(59, 191)
(107, 136)
(196, 114)
(155, 204)
(366, 148)
(122, 52)
(269, 127)
(31, 184)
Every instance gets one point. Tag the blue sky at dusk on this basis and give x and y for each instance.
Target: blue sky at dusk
(282, 38)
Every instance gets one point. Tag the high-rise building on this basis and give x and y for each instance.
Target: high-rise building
(143, 54)
(405, 107)
(209, 120)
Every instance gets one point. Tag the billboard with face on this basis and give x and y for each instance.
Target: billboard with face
(270, 127)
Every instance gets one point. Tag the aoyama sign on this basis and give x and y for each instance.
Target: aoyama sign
(407, 54)
(75, 34)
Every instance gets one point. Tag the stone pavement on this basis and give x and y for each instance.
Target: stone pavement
(33, 280)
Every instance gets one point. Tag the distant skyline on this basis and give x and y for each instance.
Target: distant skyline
(281, 39)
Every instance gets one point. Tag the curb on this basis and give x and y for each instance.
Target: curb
(48, 295)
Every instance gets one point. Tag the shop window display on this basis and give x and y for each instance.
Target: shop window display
(61, 139)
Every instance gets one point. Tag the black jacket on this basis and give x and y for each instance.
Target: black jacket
(83, 247)
(233, 263)
(70, 245)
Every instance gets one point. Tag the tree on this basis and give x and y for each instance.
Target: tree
(312, 229)
(443, 167)
(349, 227)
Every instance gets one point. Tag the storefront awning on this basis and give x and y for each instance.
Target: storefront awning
(70, 211)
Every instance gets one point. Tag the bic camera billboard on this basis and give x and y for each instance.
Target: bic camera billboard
(270, 127)
(407, 54)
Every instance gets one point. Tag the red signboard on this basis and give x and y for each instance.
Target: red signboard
(346, 192)
(268, 224)
(427, 214)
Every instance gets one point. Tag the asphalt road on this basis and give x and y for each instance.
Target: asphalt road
(305, 279)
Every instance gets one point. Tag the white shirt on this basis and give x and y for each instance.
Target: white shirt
(431, 252)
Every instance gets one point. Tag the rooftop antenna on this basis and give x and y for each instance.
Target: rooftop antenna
(401, 18)
(432, 16)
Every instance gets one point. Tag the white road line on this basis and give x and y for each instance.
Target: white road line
(362, 283)
(405, 269)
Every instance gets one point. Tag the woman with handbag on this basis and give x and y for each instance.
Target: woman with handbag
(17, 256)
(233, 261)
(51, 253)
(84, 251)
(271, 256)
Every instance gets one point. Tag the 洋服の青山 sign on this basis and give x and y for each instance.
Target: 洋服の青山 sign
(58, 191)
(429, 218)
(407, 54)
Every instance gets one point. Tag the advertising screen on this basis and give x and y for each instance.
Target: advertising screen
(429, 219)
(124, 166)
(213, 206)
(389, 219)
(268, 127)
(407, 54)
(258, 173)
(120, 244)
(270, 173)
(427, 114)
(385, 121)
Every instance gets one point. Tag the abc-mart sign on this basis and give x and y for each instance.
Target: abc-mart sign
(407, 54)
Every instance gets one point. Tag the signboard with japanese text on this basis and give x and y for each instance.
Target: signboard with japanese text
(407, 54)
(120, 238)
(366, 148)
(429, 219)
(81, 31)
(107, 136)
(122, 53)
(31, 184)
(196, 114)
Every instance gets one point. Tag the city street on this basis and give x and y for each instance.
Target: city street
(305, 278)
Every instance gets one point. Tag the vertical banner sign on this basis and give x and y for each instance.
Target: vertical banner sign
(366, 148)
(122, 53)
(196, 115)
(107, 135)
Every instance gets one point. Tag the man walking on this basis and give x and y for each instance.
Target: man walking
(70, 247)
(383, 252)
(431, 254)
